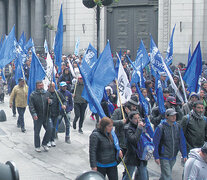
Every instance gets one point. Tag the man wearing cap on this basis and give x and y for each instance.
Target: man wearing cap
(19, 93)
(168, 140)
(188, 106)
(163, 76)
(196, 165)
(69, 107)
(80, 105)
(195, 126)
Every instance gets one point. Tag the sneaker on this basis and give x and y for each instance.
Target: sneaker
(38, 149)
(53, 143)
(46, 149)
(23, 130)
(49, 144)
(80, 131)
(14, 115)
(67, 140)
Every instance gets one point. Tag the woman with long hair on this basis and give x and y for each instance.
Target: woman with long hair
(102, 151)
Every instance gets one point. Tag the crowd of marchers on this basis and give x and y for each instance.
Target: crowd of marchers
(183, 127)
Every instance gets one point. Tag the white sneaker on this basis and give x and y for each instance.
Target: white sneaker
(53, 143)
(38, 149)
(46, 149)
(49, 144)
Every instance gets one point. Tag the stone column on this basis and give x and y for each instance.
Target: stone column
(2, 18)
(11, 14)
(39, 24)
(23, 18)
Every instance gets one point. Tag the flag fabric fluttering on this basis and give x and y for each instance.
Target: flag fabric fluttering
(76, 52)
(123, 85)
(36, 73)
(2, 74)
(28, 45)
(50, 72)
(8, 50)
(102, 74)
(194, 70)
(46, 47)
(169, 56)
(22, 40)
(189, 54)
(59, 41)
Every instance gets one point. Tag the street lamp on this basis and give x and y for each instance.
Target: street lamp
(97, 3)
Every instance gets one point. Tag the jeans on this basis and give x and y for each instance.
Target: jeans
(79, 109)
(67, 123)
(166, 169)
(14, 107)
(141, 172)
(54, 123)
(37, 127)
(111, 172)
(21, 112)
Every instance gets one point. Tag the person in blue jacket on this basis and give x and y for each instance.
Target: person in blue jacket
(168, 140)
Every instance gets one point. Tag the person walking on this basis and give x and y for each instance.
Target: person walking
(80, 105)
(19, 94)
(102, 151)
(38, 107)
(168, 140)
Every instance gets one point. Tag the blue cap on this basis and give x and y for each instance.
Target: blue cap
(63, 84)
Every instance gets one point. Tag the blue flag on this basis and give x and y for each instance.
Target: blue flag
(194, 70)
(89, 60)
(8, 50)
(59, 41)
(2, 75)
(159, 93)
(36, 73)
(28, 45)
(169, 56)
(91, 97)
(145, 106)
(76, 52)
(22, 40)
(1, 42)
(103, 73)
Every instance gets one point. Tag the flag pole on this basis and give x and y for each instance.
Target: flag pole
(182, 83)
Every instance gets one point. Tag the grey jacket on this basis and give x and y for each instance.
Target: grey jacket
(195, 167)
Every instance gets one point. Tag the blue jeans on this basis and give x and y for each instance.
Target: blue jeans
(166, 169)
(111, 172)
(37, 127)
(54, 123)
(141, 172)
(20, 120)
(67, 123)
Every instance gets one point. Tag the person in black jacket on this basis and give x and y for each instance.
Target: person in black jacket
(38, 107)
(133, 134)
(102, 152)
(54, 110)
(67, 77)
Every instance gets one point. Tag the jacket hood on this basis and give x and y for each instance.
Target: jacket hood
(194, 153)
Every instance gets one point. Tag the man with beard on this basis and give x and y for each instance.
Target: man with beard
(187, 107)
(195, 127)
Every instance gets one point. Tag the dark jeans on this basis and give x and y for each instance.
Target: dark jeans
(79, 109)
(21, 112)
(67, 123)
(2, 97)
(111, 172)
(37, 127)
(14, 107)
(54, 123)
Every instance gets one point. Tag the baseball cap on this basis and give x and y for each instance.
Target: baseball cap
(204, 148)
(20, 79)
(63, 84)
(171, 99)
(163, 74)
(170, 112)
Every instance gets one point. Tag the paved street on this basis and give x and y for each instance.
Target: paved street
(65, 161)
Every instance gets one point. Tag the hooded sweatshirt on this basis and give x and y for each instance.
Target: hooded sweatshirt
(195, 167)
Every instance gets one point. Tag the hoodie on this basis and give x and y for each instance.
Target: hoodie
(195, 167)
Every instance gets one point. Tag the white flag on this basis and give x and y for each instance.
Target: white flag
(46, 46)
(71, 69)
(123, 85)
(49, 71)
